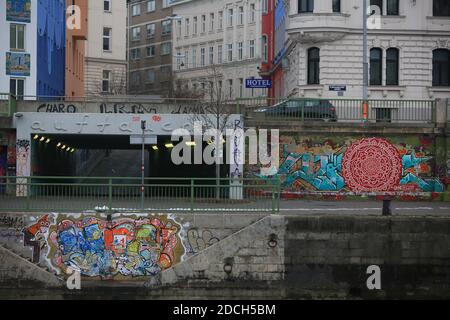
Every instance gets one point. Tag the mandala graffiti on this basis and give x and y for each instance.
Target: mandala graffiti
(122, 247)
(372, 164)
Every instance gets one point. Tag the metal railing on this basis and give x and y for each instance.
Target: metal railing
(78, 194)
(5, 104)
(339, 110)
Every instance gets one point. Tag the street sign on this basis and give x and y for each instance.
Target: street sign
(338, 88)
(137, 139)
(258, 83)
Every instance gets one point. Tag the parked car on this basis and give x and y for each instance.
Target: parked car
(301, 109)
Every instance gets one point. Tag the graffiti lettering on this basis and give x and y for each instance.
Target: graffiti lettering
(200, 240)
(127, 108)
(11, 222)
(57, 108)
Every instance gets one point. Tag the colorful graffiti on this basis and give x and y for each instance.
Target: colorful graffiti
(34, 236)
(356, 165)
(116, 248)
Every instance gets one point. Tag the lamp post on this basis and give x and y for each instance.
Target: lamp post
(143, 125)
(365, 63)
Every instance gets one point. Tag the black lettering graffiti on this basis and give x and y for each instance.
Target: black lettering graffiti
(127, 108)
(12, 222)
(190, 110)
(57, 108)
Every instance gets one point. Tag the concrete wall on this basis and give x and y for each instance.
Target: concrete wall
(250, 256)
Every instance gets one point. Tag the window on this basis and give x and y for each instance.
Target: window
(219, 54)
(17, 37)
(186, 58)
(107, 5)
(252, 12)
(151, 6)
(211, 22)
(211, 55)
(165, 48)
(179, 28)
(107, 39)
(151, 29)
(392, 63)
(135, 54)
(178, 60)
(265, 6)
(187, 27)
(305, 6)
(441, 67)
(164, 73)
(230, 52)
(241, 87)
(252, 48)
(194, 58)
(203, 23)
(136, 9)
(336, 6)
(202, 57)
(150, 76)
(241, 16)
(151, 51)
(194, 26)
(264, 49)
(135, 78)
(165, 3)
(240, 50)
(16, 87)
(375, 66)
(166, 27)
(393, 7)
(106, 80)
(441, 8)
(230, 17)
(220, 26)
(314, 66)
(230, 88)
(136, 33)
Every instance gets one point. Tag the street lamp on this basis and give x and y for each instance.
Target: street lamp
(143, 127)
(365, 62)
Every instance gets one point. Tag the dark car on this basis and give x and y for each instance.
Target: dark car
(301, 109)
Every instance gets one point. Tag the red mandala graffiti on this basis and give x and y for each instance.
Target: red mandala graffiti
(372, 164)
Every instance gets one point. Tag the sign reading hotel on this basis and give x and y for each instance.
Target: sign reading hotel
(18, 10)
(17, 64)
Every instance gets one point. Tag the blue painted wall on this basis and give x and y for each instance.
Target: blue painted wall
(51, 51)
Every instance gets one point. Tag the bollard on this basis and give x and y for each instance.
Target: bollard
(387, 206)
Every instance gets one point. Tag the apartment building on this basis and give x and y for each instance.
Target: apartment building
(409, 48)
(150, 47)
(214, 37)
(105, 52)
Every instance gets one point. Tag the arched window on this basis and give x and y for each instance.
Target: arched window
(441, 67)
(314, 66)
(392, 67)
(375, 66)
(378, 3)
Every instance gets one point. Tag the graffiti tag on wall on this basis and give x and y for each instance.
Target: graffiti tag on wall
(364, 165)
(122, 247)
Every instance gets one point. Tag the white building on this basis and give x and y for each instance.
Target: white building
(105, 67)
(409, 49)
(226, 35)
(19, 46)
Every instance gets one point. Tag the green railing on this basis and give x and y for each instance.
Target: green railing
(338, 110)
(79, 194)
(7, 104)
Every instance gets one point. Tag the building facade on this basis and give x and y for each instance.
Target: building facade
(150, 47)
(409, 43)
(76, 36)
(213, 37)
(105, 52)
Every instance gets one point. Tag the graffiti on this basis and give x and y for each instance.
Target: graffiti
(362, 165)
(109, 249)
(22, 154)
(34, 236)
(190, 110)
(57, 108)
(11, 221)
(3, 167)
(127, 108)
(200, 240)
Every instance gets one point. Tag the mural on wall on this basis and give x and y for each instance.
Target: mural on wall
(18, 10)
(18, 64)
(113, 249)
(356, 165)
(34, 236)
(3, 167)
(22, 155)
